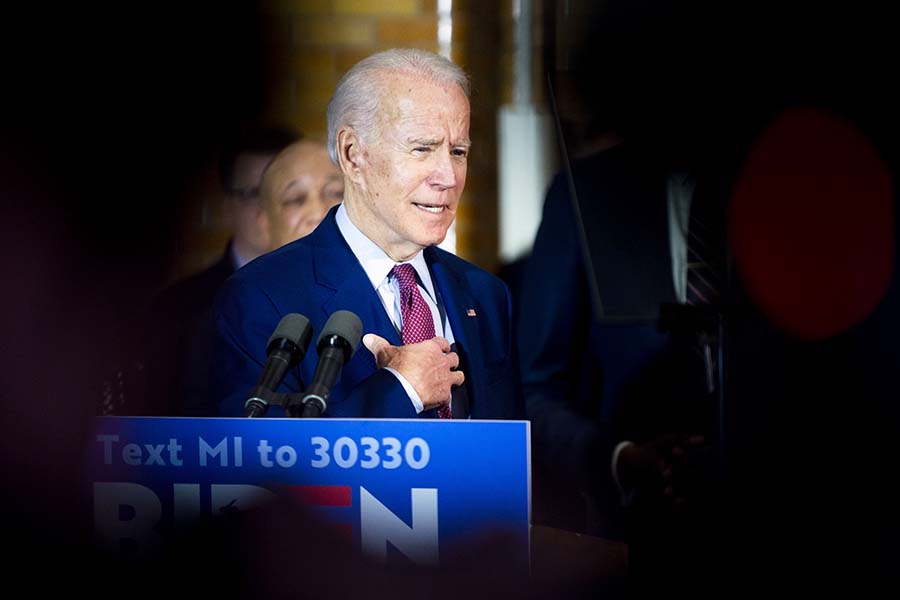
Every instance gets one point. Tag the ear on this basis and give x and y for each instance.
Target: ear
(351, 158)
(262, 216)
(228, 211)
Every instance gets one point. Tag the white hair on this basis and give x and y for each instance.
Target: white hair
(356, 99)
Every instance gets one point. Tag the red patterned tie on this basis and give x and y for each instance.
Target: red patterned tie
(418, 324)
(706, 268)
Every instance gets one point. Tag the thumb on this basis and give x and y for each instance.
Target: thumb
(377, 345)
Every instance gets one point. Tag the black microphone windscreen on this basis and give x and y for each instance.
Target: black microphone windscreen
(293, 327)
(343, 324)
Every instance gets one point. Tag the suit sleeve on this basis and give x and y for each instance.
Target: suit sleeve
(554, 329)
(381, 395)
(245, 319)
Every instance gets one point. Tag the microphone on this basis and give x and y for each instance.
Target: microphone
(285, 350)
(336, 344)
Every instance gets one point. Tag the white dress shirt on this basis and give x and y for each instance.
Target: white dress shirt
(680, 192)
(378, 266)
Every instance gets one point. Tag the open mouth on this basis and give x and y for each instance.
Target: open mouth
(432, 209)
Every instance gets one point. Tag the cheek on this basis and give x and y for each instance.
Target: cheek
(381, 173)
(248, 212)
(288, 219)
(461, 178)
(376, 184)
(271, 219)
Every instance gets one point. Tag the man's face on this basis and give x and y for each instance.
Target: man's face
(414, 170)
(298, 189)
(250, 232)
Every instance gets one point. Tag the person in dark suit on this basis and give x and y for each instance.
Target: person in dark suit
(180, 336)
(581, 354)
(614, 389)
(398, 128)
(624, 428)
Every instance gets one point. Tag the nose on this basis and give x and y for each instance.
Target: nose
(443, 176)
(318, 210)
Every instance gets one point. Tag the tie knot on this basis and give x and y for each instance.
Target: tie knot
(406, 276)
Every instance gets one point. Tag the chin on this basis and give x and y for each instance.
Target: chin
(433, 238)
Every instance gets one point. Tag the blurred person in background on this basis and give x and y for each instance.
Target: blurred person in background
(168, 377)
(297, 190)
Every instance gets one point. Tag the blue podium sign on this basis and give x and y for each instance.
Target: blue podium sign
(419, 485)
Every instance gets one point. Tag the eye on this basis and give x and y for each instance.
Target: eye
(460, 152)
(421, 149)
(294, 201)
(333, 193)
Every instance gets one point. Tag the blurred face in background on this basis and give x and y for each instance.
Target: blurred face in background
(243, 211)
(298, 189)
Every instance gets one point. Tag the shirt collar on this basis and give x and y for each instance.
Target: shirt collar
(237, 260)
(375, 262)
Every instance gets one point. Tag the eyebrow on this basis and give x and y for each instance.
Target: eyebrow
(425, 141)
(437, 142)
(295, 184)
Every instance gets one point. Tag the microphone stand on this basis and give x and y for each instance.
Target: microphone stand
(262, 398)
(297, 408)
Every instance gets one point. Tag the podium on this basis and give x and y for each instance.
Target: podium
(407, 490)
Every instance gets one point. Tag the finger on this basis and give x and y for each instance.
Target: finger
(376, 345)
(442, 343)
(457, 378)
(453, 359)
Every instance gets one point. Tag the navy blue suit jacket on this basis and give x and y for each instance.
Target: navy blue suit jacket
(590, 383)
(318, 275)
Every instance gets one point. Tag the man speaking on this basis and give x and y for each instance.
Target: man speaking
(438, 329)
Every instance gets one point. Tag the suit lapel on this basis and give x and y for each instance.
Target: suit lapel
(344, 286)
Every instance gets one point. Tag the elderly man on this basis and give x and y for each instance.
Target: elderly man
(437, 327)
(297, 190)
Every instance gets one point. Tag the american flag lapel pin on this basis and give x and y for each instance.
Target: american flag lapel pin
(470, 312)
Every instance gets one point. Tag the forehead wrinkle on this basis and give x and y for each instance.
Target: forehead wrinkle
(431, 129)
(403, 111)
